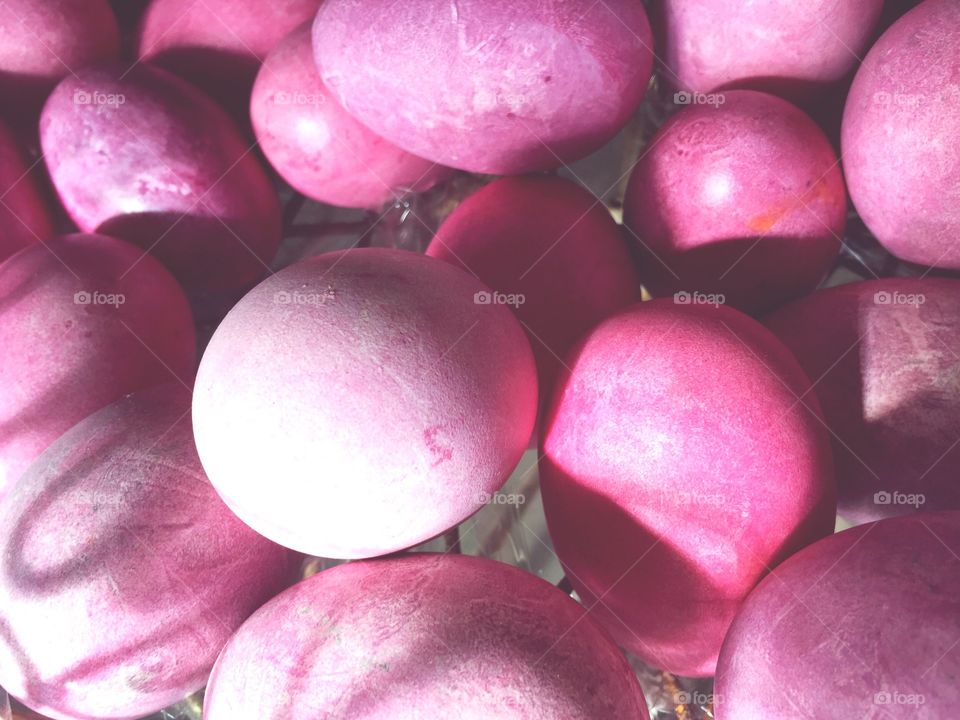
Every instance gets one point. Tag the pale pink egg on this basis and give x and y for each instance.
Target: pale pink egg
(363, 401)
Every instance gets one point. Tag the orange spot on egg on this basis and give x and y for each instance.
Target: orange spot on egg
(765, 222)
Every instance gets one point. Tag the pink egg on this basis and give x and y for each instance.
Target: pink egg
(144, 156)
(24, 218)
(84, 320)
(553, 254)
(743, 199)
(218, 44)
(863, 624)
(123, 573)
(788, 48)
(682, 459)
(44, 41)
(362, 401)
(423, 636)
(317, 146)
(488, 87)
(883, 354)
(901, 136)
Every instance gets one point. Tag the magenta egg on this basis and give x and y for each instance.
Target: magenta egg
(683, 457)
(423, 636)
(901, 136)
(788, 48)
(84, 320)
(498, 88)
(362, 401)
(24, 218)
(144, 156)
(123, 573)
(882, 354)
(743, 199)
(317, 146)
(863, 624)
(218, 44)
(552, 253)
(44, 41)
